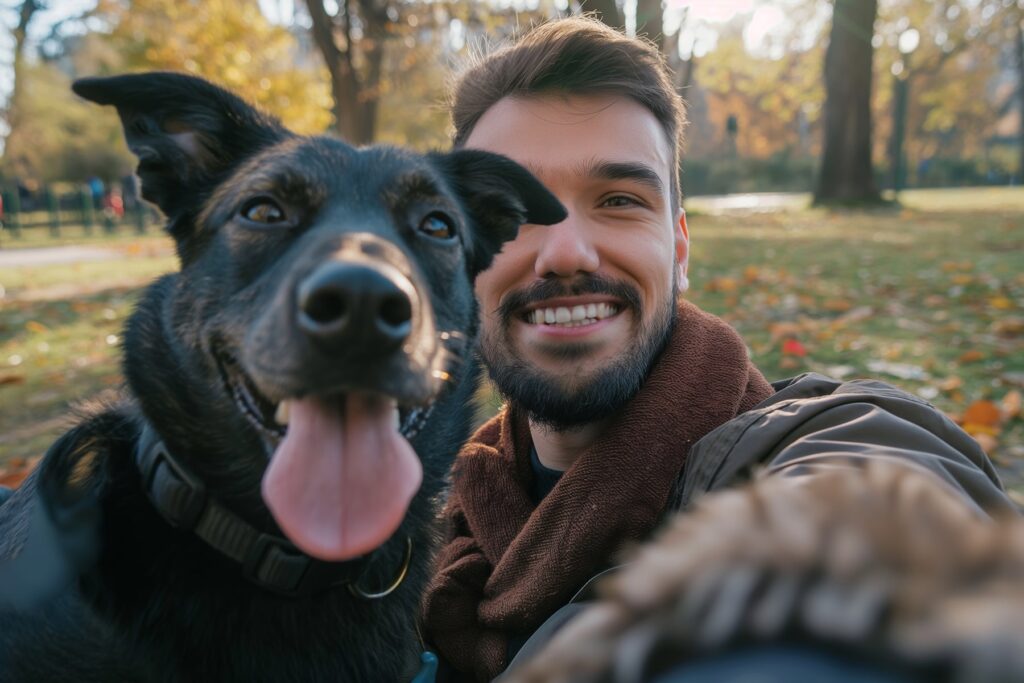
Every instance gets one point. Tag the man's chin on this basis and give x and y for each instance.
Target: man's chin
(579, 387)
(569, 399)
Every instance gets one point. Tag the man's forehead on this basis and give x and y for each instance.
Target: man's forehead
(572, 133)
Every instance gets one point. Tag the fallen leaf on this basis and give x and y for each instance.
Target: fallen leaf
(988, 442)
(1011, 404)
(837, 305)
(36, 326)
(784, 330)
(899, 370)
(12, 379)
(792, 347)
(17, 470)
(857, 314)
(951, 384)
(972, 356)
(1001, 303)
(982, 413)
(721, 284)
(1008, 327)
(789, 363)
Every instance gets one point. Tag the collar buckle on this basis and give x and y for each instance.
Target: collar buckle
(275, 563)
(179, 496)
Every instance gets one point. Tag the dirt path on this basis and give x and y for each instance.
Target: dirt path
(46, 256)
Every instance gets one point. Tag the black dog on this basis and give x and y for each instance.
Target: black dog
(322, 287)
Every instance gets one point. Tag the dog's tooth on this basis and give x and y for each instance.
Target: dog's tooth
(579, 313)
(396, 418)
(591, 310)
(562, 315)
(283, 412)
(549, 315)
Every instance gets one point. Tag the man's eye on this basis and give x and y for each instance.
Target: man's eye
(437, 225)
(263, 210)
(619, 201)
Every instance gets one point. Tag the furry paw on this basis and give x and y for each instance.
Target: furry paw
(884, 563)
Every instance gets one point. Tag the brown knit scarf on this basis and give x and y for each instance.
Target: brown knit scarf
(506, 565)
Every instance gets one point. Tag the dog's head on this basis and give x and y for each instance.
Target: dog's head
(324, 294)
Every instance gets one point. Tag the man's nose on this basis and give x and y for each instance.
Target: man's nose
(567, 249)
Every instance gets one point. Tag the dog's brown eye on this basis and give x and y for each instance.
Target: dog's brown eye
(437, 225)
(263, 210)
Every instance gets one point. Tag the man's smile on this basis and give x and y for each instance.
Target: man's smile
(571, 313)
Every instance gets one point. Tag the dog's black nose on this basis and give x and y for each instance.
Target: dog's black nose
(351, 303)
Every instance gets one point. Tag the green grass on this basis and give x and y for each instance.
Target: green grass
(60, 328)
(929, 297)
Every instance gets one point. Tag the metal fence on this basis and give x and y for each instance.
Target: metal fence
(59, 208)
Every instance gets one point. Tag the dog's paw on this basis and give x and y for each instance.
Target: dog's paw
(884, 562)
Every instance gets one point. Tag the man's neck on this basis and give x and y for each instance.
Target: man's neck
(558, 450)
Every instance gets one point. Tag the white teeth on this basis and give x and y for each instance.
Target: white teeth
(574, 317)
(283, 412)
(396, 419)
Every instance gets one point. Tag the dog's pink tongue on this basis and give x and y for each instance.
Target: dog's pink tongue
(342, 479)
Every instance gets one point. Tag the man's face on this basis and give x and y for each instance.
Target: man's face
(574, 314)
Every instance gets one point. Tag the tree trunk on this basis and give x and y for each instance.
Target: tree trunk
(354, 95)
(25, 13)
(846, 174)
(1020, 94)
(605, 10)
(650, 20)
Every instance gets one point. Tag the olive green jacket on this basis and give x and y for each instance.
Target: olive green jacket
(813, 422)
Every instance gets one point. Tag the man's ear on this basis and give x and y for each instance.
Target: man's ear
(188, 134)
(499, 196)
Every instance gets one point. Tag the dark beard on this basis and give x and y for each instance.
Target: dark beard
(548, 401)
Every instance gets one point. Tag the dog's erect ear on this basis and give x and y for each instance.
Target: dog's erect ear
(187, 133)
(500, 195)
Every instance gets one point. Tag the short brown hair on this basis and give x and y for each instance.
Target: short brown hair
(579, 55)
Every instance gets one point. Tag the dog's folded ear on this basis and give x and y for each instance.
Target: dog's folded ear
(500, 196)
(186, 132)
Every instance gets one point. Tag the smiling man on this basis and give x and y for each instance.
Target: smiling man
(597, 292)
(622, 398)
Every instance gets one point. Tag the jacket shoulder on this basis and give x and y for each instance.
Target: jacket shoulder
(813, 422)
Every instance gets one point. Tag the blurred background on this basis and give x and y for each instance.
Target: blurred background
(853, 173)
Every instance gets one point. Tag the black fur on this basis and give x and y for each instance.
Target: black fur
(158, 604)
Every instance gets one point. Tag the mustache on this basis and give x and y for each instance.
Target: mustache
(554, 288)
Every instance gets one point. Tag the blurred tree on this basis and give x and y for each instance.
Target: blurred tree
(13, 114)
(846, 173)
(770, 95)
(1019, 50)
(606, 10)
(59, 137)
(959, 77)
(388, 60)
(650, 20)
(229, 42)
(351, 41)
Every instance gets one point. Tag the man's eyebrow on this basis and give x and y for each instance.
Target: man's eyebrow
(625, 170)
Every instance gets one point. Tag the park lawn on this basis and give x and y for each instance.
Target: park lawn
(60, 333)
(930, 298)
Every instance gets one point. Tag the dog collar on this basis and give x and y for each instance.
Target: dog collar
(269, 560)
